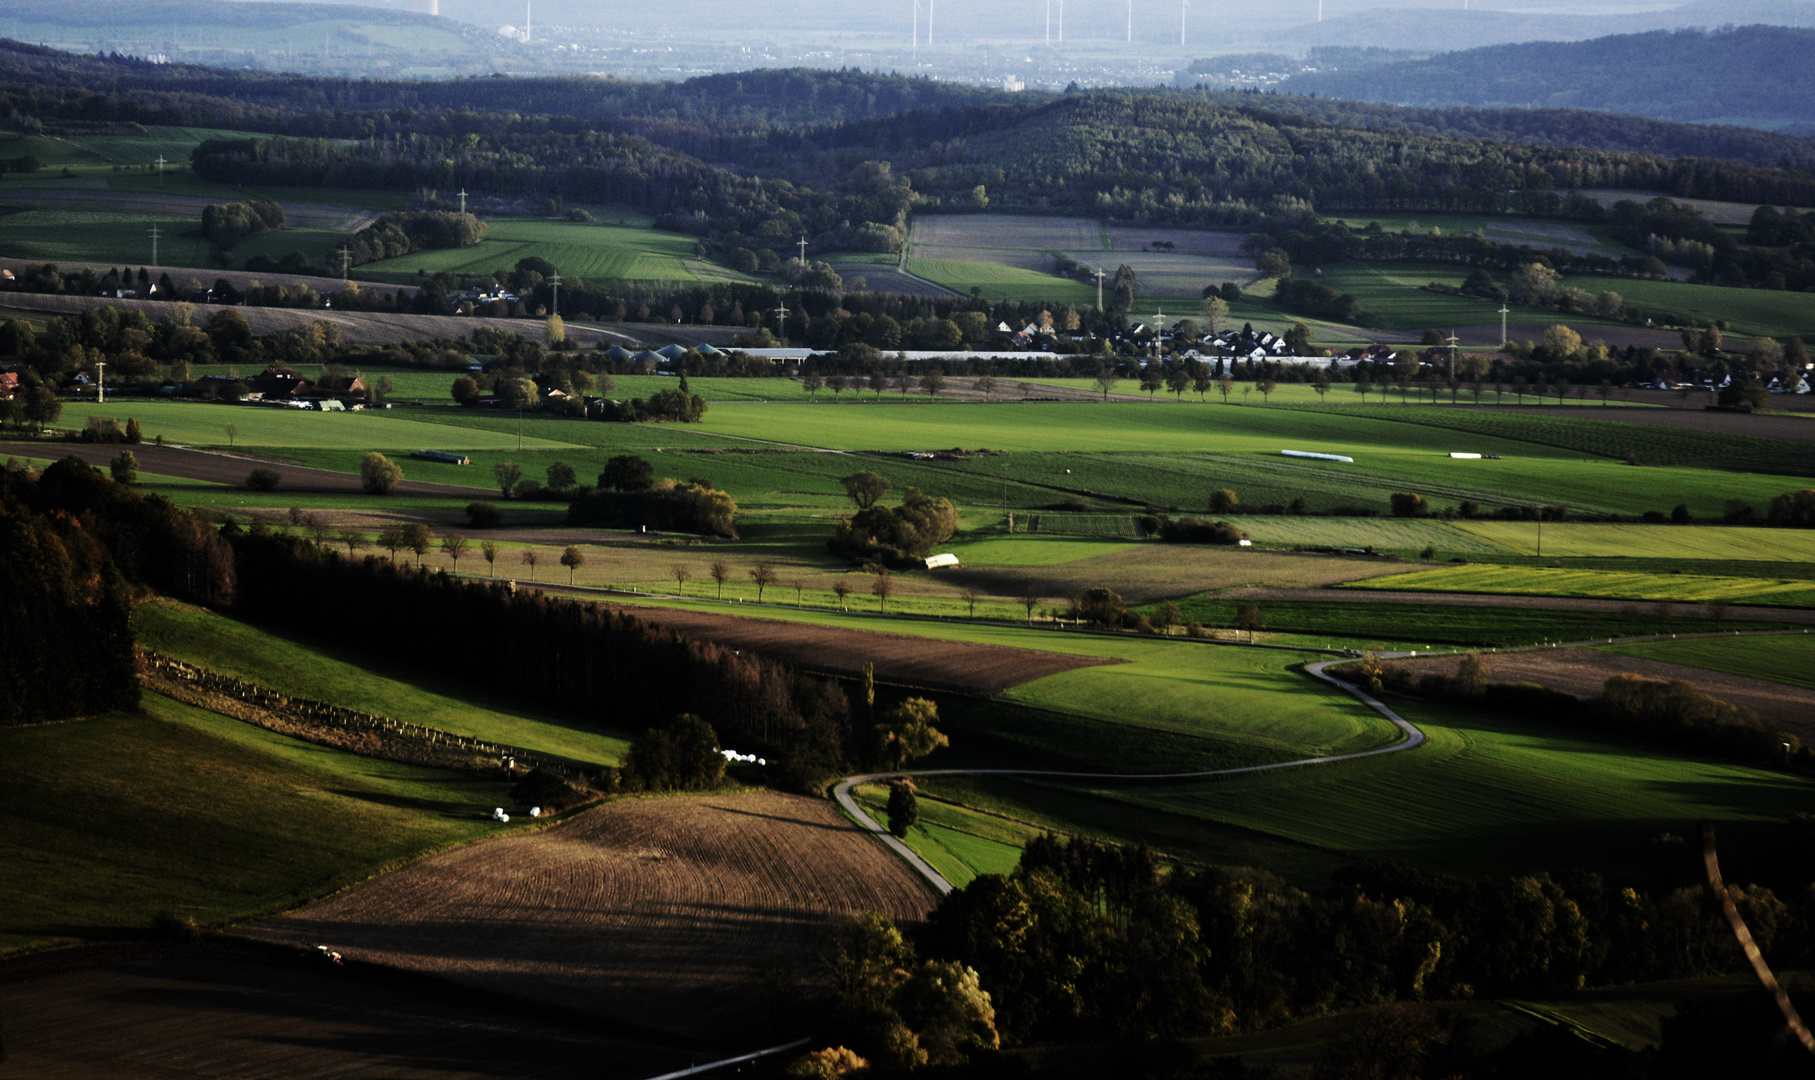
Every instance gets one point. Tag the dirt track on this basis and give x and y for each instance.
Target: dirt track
(164, 1013)
(657, 912)
(1583, 671)
(984, 670)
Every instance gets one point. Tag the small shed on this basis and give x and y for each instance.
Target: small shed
(940, 562)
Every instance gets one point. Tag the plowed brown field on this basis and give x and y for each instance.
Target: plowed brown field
(1583, 671)
(656, 912)
(984, 670)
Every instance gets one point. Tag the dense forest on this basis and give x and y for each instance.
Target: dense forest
(732, 159)
(1672, 75)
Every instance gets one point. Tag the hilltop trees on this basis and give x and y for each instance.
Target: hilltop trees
(895, 535)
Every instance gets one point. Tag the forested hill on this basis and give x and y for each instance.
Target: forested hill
(1583, 128)
(735, 160)
(1747, 74)
(750, 101)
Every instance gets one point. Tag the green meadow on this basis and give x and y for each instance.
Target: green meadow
(1602, 584)
(1599, 540)
(590, 251)
(348, 676)
(999, 282)
(115, 819)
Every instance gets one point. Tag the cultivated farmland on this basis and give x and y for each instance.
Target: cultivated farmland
(1781, 659)
(599, 252)
(1563, 539)
(1583, 672)
(658, 912)
(1603, 584)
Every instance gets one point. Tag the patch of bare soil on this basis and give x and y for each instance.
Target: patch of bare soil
(229, 469)
(981, 670)
(157, 1013)
(1183, 241)
(1582, 672)
(661, 912)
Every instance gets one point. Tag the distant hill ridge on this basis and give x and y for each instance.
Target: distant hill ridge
(1450, 29)
(1759, 75)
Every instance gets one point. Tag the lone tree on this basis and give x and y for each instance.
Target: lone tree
(232, 435)
(866, 488)
(904, 809)
(1248, 617)
(680, 574)
(489, 552)
(627, 472)
(1223, 501)
(561, 476)
(530, 558)
(263, 479)
(907, 731)
(354, 539)
(764, 576)
(1407, 504)
(970, 597)
(453, 546)
(572, 558)
(417, 537)
(841, 588)
(378, 474)
(125, 468)
(1031, 600)
(1106, 379)
(932, 382)
(1266, 388)
(507, 473)
(391, 540)
(883, 588)
(720, 571)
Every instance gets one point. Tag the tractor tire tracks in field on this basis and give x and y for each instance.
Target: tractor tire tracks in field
(843, 791)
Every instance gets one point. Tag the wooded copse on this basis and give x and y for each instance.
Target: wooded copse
(1088, 940)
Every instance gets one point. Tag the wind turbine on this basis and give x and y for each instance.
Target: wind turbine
(916, 45)
(1061, 20)
(929, 23)
(1131, 22)
(1319, 10)
(1183, 6)
(1049, 24)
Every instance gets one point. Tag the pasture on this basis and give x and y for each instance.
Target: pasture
(1486, 794)
(114, 819)
(347, 676)
(1564, 539)
(958, 842)
(100, 236)
(1391, 626)
(998, 282)
(1788, 658)
(194, 424)
(1602, 584)
(1766, 312)
(590, 251)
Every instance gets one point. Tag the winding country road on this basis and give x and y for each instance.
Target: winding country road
(843, 792)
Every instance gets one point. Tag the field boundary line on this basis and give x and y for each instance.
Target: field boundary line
(1413, 736)
(738, 1060)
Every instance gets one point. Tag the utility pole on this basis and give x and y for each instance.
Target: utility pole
(1099, 288)
(803, 251)
(346, 258)
(100, 382)
(1452, 343)
(781, 317)
(463, 200)
(1503, 324)
(554, 301)
(161, 164)
(154, 245)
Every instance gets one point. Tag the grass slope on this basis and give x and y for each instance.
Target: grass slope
(604, 252)
(343, 675)
(114, 819)
(1604, 584)
(1593, 540)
